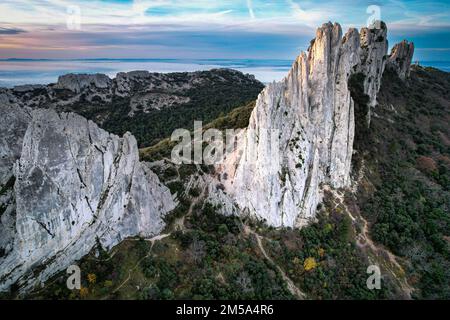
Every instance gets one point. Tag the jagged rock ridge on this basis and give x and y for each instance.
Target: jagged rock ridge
(78, 82)
(400, 59)
(79, 182)
(74, 183)
(301, 132)
(149, 105)
(142, 90)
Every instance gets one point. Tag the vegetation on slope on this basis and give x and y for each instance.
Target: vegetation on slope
(407, 154)
(205, 255)
(325, 260)
(236, 119)
(216, 96)
(201, 255)
(213, 257)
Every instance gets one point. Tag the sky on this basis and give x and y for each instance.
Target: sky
(206, 29)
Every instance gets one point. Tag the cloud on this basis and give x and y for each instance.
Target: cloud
(312, 17)
(433, 49)
(10, 31)
(192, 13)
(250, 28)
(153, 42)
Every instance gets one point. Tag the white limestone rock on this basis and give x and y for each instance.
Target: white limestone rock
(374, 48)
(78, 82)
(400, 58)
(74, 183)
(300, 134)
(13, 125)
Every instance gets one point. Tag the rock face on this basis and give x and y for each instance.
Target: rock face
(13, 125)
(374, 48)
(74, 183)
(301, 132)
(64, 182)
(140, 101)
(141, 90)
(400, 59)
(79, 82)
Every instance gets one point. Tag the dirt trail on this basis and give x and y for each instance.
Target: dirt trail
(159, 237)
(363, 238)
(132, 269)
(290, 284)
(178, 224)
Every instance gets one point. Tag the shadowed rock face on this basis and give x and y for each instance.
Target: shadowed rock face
(311, 114)
(74, 183)
(400, 59)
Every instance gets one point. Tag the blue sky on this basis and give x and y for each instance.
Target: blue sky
(249, 29)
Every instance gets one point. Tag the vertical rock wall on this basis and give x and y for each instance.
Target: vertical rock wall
(301, 132)
(74, 183)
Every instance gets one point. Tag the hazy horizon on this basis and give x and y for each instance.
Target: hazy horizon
(15, 72)
(40, 40)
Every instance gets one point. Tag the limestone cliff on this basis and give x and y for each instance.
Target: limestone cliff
(141, 102)
(78, 82)
(301, 132)
(140, 90)
(72, 183)
(373, 54)
(64, 181)
(400, 58)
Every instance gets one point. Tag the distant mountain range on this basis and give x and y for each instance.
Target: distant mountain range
(43, 71)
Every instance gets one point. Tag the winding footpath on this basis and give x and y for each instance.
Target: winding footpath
(293, 289)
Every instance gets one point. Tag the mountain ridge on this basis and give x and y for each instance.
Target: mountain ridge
(313, 111)
(340, 83)
(140, 101)
(74, 185)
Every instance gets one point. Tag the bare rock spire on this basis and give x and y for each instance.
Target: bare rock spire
(311, 113)
(400, 58)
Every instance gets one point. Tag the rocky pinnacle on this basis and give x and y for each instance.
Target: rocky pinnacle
(74, 184)
(311, 112)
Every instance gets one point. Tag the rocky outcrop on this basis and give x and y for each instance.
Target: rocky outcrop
(140, 101)
(79, 82)
(74, 183)
(301, 132)
(142, 90)
(373, 53)
(400, 58)
(13, 125)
